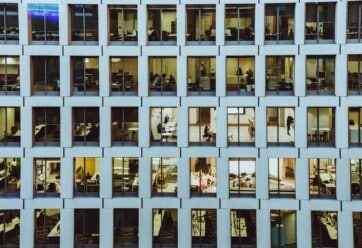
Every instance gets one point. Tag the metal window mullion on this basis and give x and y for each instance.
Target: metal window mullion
(84, 27)
(123, 25)
(45, 74)
(359, 22)
(278, 18)
(200, 19)
(84, 74)
(238, 127)
(5, 23)
(317, 29)
(45, 26)
(238, 31)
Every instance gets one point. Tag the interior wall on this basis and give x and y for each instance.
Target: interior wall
(289, 222)
(245, 64)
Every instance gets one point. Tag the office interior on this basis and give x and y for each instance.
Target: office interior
(279, 22)
(163, 125)
(10, 176)
(203, 175)
(45, 75)
(240, 73)
(202, 125)
(357, 228)
(10, 235)
(164, 175)
(125, 176)
(201, 23)
(163, 75)
(161, 24)
(125, 222)
(324, 228)
(243, 227)
(320, 126)
(322, 178)
(320, 74)
(239, 23)
(125, 126)
(242, 178)
(279, 74)
(47, 176)
(9, 33)
(280, 126)
(124, 75)
(86, 227)
(47, 228)
(85, 75)
(85, 125)
(123, 23)
(356, 178)
(10, 122)
(84, 23)
(164, 227)
(354, 126)
(354, 21)
(10, 75)
(281, 177)
(319, 21)
(46, 126)
(354, 70)
(283, 228)
(201, 75)
(241, 125)
(203, 229)
(86, 176)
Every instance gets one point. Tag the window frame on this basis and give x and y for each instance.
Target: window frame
(241, 191)
(12, 33)
(129, 135)
(45, 167)
(321, 138)
(126, 83)
(8, 88)
(83, 130)
(201, 70)
(158, 35)
(206, 137)
(315, 178)
(87, 185)
(281, 125)
(133, 192)
(209, 182)
(7, 163)
(88, 38)
(200, 10)
(82, 217)
(127, 37)
(278, 192)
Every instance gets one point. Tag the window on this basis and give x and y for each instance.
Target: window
(84, 24)
(203, 229)
(320, 75)
(164, 176)
(9, 75)
(11, 220)
(319, 22)
(322, 178)
(86, 126)
(9, 23)
(201, 76)
(354, 77)
(324, 229)
(47, 227)
(85, 75)
(163, 125)
(321, 126)
(240, 75)
(239, 24)
(201, 24)
(356, 178)
(45, 75)
(165, 227)
(124, 75)
(86, 176)
(125, 126)
(279, 23)
(125, 227)
(47, 177)
(125, 176)
(10, 126)
(280, 126)
(203, 176)
(202, 126)
(44, 23)
(123, 24)
(354, 21)
(161, 24)
(86, 227)
(354, 123)
(241, 126)
(9, 177)
(357, 228)
(242, 177)
(163, 75)
(46, 126)
(279, 75)
(243, 228)
(283, 228)
(282, 177)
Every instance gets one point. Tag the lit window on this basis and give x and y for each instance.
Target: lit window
(203, 176)
(324, 229)
(164, 227)
(279, 23)
(9, 23)
(86, 176)
(9, 75)
(201, 76)
(45, 75)
(322, 178)
(357, 230)
(163, 126)
(354, 124)
(125, 176)
(86, 227)
(125, 227)
(10, 177)
(44, 21)
(163, 76)
(239, 24)
(47, 227)
(162, 25)
(279, 75)
(354, 21)
(123, 24)
(242, 177)
(85, 75)
(86, 126)
(203, 228)
(241, 126)
(46, 126)
(164, 176)
(280, 126)
(321, 126)
(240, 75)
(47, 177)
(124, 75)
(84, 24)
(125, 126)
(282, 177)
(243, 228)
(356, 178)
(10, 126)
(11, 220)
(201, 24)
(320, 75)
(202, 126)
(283, 228)
(354, 76)
(319, 22)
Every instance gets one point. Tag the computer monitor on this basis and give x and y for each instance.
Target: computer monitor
(321, 74)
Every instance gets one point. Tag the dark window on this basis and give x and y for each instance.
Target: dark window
(9, 23)
(354, 126)
(354, 21)
(324, 229)
(357, 229)
(125, 228)
(84, 24)
(86, 126)
(283, 228)
(9, 75)
(86, 176)
(163, 76)
(125, 126)
(281, 177)
(203, 176)
(280, 126)
(279, 75)
(201, 24)
(11, 220)
(242, 177)
(124, 75)
(46, 126)
(165, 227)
(203, 229)
(239, 24)
(85, 75)
(356, 178)
(10, 177)
(240, 75)
(354, 76)
(47, 228)
(10, 126)
(45, 75)
(164, 176)
(162, 25)
(86, 227)
(47, 177)
(201, 76)
(202, 126)
(123, 24)
(321, 126)
(163, 126)
(125, 176)
(322, 178)
(44, 21)
(319, 22)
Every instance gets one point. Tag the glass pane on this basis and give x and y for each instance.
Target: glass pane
(242, 178)
(10, 177)
(86, 176)
(125, 175)
(203, 175)
(164, 175)
(47, 176)
(126, 228)
(165, 227)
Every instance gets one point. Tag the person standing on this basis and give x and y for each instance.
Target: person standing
(290, 120)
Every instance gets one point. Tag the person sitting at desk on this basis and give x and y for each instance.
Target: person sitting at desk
(207, 133)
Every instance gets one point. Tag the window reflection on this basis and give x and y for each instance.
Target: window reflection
(203, 176)
(279, 23)
(163, 75)
(280, 126)
(320, 75)
(283, 228)
(123, 24)
(281, 177)
(280, 75)
(10, 126)
(201, 24)
(202, 126)
(125, 126)
(9, 23)
(124, 75)
(161, 24)
(10, 177)
(325, 228)
(47, 177)
(241, 126)
(164, 176)
(45, 75)
(319, 22)
(163, 126)
(242, 179)
(354, 21)
(125, 176)
(321, 126)
(9, 75)
(86, 227)
(165, 227)
(86, 126)
(84, 24)
(47, 227)
(86, 176)
(203, 229)
(46, 126)
(44, 20)
(243, 228)
(239, 23)
(201, 76)
(126, 227)
(322, 178)
(11, 220)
